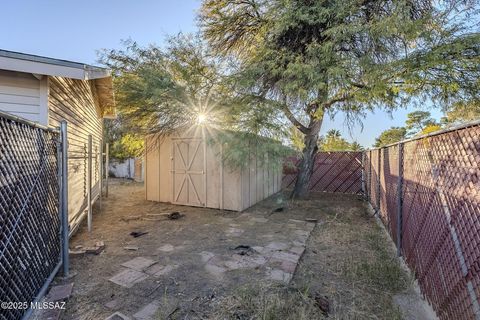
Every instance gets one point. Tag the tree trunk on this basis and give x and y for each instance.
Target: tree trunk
(305, 169)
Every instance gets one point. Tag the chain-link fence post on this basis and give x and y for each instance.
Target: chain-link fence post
(107, 164)
(64, 197)
(100, 165)
(400, 199)
(89, 182)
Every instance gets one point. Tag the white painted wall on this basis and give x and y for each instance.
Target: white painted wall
(126, 169)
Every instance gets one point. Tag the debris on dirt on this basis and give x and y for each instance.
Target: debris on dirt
(244, 250)
(279, 209)
(169, 215)
(113, 304)
(322, 303)
(60, 293)
(118, 316)
(313, 220)
(93, 250)
(137, 234)
(127, 219)
(175, 215)
(76, 252)
(96, 249)
(131, 248)
(172, 313)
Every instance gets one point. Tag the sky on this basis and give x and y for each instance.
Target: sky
(75, 30)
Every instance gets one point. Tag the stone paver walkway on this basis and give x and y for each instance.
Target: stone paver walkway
(180, 264)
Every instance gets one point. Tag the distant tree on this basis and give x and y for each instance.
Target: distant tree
(392, 135)
(304, 59)
(129, 146)
(355, 146)
(333, 141)
(431, 128)
(123, 143)
(417, 121)
(333, 133)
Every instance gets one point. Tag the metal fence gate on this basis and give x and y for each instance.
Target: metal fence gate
(339, 172)
(30, 205)
(427, 193)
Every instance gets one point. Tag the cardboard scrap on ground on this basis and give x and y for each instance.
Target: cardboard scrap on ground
(96, 249)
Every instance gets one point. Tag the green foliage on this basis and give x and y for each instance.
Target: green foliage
(392, 135)
(296, 139)
(240, 148)
(418, 121)
(355, 146)
(129, 146)
(463, 112)
(159, 91)
(314, 56)
(333, 141)
(430, 129)
(299, 60)
(164, 90)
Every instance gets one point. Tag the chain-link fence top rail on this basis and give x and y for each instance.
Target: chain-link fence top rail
(440, 215)
(29, 219)
(339, 172)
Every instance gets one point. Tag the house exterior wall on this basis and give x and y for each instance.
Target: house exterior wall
(76, 101)
(225, 188)
(23, 95)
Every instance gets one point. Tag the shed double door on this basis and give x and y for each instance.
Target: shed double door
(189, 171)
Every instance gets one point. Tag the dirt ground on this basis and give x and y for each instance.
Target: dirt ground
(193, 267)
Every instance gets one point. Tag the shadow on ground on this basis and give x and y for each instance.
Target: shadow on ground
(228, 265)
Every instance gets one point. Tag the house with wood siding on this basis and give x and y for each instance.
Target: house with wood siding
(47, 91)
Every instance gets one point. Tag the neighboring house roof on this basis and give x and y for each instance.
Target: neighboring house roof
(38, 65)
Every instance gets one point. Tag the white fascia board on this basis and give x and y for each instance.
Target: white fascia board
(42, 68)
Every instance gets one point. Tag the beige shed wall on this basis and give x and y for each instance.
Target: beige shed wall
(76, 101)
(226, 189)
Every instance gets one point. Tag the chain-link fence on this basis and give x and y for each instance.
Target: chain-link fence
(30, 224)
(339, 172)
(427, 193)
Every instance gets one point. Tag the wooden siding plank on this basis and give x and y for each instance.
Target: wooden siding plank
(22, 108)
(75, 101)
(19, 91)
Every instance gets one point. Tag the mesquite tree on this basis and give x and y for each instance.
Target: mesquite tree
(305, 59)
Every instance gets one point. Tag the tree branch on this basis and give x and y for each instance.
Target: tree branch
(288, 113)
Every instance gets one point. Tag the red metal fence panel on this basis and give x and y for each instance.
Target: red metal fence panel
(437, 211)
(339, 172)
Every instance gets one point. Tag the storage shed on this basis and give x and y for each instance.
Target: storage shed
(47, 91)
(187, 169)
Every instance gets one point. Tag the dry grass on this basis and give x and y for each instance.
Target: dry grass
(350, 260)
(267, 302)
